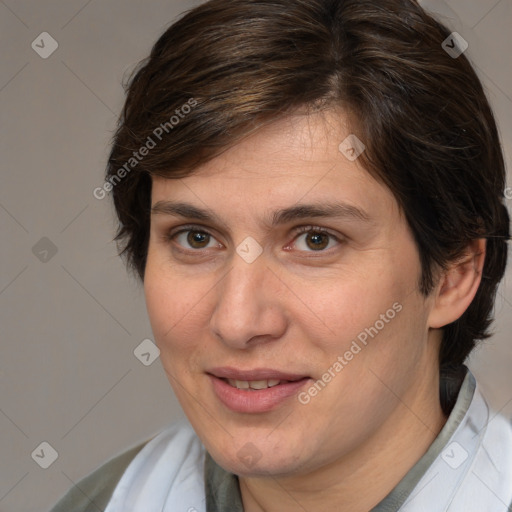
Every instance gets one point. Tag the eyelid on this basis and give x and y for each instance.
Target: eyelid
(299, 230)
(188, 227)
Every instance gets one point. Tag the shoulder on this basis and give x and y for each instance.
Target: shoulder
(95, 491)
(497, 445)
(488, 477)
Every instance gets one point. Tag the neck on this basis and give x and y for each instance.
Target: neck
(384, 459)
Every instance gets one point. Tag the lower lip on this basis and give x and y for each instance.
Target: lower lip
(257, 400)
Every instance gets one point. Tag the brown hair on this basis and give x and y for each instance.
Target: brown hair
(429, 132)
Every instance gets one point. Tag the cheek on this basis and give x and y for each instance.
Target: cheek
(166, 303)
(346, 305)
(177, 307)
(376, 324)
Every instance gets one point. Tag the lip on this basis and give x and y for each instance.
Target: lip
(229, 372)
(255, 401)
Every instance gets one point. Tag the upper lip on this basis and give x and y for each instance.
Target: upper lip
(229, 372)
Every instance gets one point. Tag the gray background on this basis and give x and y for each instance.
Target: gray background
(69, 325)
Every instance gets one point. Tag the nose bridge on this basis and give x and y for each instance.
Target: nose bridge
(245, 303)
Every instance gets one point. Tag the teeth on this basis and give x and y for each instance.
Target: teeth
(258, 384)
(253, 384)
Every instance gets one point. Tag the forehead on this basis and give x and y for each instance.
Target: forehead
(294, 160)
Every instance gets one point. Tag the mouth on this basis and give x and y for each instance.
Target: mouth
(255, 375)
(254, 385)
(255, 391)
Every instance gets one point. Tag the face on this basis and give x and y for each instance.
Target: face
(320, 309)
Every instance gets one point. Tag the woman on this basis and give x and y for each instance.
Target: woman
(311, 192)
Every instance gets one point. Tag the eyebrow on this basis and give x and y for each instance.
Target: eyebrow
(282, 216)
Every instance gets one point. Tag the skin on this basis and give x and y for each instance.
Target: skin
(296, 309)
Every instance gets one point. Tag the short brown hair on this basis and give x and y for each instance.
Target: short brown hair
(429, 131)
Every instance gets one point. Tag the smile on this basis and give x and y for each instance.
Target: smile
(254, 384)
(256, 395)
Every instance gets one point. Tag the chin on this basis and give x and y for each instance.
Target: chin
(257, 459)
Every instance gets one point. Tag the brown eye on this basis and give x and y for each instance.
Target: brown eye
(193, 239)
(196, 239)
(318, 240)
(315, 239)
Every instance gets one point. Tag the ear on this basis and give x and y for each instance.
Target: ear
(458, 286)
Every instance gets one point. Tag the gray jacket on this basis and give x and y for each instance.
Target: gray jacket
(92, 493)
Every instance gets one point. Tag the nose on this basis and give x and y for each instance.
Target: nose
(248, 308)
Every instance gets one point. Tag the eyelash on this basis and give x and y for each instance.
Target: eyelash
(171, 235)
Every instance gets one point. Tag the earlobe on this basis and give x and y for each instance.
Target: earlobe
(458, 286)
